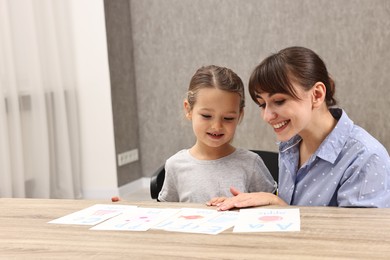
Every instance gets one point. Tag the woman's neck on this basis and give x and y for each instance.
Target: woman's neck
(313, 137)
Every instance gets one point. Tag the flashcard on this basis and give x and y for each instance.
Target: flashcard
(222, 221)
(186, 219)
(139, 219)
(268, 220)
(92, 215)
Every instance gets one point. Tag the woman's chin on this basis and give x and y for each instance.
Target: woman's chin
(283, 138)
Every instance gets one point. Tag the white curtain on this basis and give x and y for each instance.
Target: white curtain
(39, 146)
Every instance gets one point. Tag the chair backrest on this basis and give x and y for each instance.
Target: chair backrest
(157, 181)
(270, 160)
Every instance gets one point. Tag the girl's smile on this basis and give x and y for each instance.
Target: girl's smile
(215, 135)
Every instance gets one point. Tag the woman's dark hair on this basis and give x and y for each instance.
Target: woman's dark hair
(296, 64)
(213, 76)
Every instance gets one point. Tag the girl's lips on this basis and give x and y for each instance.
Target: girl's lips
(215, 136)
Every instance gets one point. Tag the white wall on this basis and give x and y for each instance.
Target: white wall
(96, 124)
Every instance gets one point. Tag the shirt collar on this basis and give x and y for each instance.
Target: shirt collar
(284, 146)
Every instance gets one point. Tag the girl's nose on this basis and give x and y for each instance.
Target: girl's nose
(217, 124)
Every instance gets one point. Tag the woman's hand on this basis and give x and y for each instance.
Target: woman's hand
(243, 200)
(216, 201)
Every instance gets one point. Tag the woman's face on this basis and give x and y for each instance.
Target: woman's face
(287, 115)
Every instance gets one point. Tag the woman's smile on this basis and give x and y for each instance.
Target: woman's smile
(281, 125)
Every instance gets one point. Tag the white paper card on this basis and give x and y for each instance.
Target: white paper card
(268, 220)
(138, 219)
(92, 215)
(222, 221)
(186, 219)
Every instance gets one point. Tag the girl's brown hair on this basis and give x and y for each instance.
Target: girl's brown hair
(213, 76)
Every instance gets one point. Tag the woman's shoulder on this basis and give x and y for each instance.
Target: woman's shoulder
(361, 139)
(357, 139)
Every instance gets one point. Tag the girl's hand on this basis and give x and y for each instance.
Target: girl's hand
(243, 200)
(115, 199)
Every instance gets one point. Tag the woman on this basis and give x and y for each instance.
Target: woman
(324, 158)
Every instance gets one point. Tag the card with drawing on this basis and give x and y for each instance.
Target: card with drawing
(203, 221)
(92, 215)
(139, 219)
(186, 219)
(222, 221)
(268, 220)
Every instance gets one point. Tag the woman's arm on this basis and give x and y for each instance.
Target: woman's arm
(243, 200)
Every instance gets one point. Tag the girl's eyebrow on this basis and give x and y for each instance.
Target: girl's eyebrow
(232, 112)
(204, 109)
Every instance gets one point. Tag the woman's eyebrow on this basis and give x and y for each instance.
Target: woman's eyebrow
(258, 97)
(269, 95)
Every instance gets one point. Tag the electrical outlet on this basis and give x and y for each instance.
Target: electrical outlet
(128, 157)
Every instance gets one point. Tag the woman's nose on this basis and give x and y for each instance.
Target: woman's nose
(268, 114)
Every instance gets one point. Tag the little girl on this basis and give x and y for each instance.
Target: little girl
(215, 105)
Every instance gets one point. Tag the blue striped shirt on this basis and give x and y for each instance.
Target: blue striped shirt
(349, 169)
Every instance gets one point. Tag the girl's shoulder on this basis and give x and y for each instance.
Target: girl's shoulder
(245, 154)
(179, 156)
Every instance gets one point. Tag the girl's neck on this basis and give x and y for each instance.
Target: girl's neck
(203, 152)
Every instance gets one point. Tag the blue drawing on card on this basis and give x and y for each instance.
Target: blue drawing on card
(256, 226)
(90, 220)
(284, 226)
(210, 229)
(223, 219)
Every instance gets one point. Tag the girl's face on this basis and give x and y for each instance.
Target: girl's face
(214, 116)
(287, 115)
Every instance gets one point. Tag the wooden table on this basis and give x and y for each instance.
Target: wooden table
(326, 233)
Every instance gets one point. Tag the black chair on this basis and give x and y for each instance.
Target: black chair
(270, 160)
(157, 181)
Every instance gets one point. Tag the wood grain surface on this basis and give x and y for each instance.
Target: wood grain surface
(326, 233)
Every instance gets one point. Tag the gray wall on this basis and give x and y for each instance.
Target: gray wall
(172, 38)
(123, 91)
